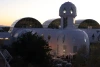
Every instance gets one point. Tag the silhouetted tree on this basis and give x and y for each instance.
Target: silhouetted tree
(32, 49)
(93, 59)
(94, 55)
(80, 59)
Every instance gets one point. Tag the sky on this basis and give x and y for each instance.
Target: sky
(42, 10)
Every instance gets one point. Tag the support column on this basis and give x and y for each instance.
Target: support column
(61, 23)
(70, 22)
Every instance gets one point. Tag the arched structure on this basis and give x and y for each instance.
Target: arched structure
(52, 23)
(47, 22)
(27, 22)
(55, 24)
(87, 23)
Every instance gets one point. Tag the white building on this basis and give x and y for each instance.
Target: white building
(67, 34)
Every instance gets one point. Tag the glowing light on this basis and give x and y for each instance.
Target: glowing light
(30, 25)
(63, 50)
(64, 11)
(6, 38)
(71, 11)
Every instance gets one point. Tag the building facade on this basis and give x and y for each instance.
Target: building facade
(67, 35)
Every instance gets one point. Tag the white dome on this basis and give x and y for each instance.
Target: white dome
(67, 9)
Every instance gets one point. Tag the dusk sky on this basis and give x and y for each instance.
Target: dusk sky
(42, 10)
